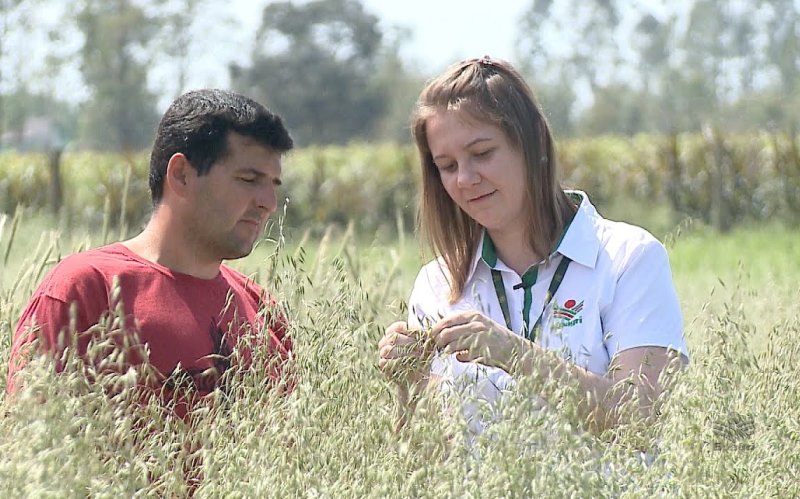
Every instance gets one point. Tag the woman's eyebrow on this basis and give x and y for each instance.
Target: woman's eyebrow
(468, 144)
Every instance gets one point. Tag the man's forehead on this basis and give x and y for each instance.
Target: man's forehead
(235, 138)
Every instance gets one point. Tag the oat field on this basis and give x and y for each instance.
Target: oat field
(730, 427)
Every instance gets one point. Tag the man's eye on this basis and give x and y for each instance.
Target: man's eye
(249, 180)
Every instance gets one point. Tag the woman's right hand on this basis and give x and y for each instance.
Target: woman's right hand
(405, 355)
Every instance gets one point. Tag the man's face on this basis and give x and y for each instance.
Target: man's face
(230, 205)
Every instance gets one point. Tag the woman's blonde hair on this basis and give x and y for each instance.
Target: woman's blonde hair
(488, 91)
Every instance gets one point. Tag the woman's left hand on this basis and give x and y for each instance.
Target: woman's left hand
(473, 337)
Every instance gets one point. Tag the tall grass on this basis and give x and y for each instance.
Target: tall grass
(731, 426)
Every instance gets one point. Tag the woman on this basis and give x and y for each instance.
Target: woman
(530, 280)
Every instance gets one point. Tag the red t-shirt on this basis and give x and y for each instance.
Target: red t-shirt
(183, 320)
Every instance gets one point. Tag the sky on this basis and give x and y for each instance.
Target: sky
(445, 31)
(441, 31)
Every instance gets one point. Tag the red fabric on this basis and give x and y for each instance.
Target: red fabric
(180, 319)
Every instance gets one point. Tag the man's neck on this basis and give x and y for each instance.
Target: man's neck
(165, 245)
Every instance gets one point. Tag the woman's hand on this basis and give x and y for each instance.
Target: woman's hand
(405, 356)
(473, 337)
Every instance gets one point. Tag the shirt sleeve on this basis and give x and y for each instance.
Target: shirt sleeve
(425, 306)
(429, 296)
(64, 303)
(645, 309)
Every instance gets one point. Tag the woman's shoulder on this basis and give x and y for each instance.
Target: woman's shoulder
(616, 241)
(433, 279)
(434, 272)
(624, 243)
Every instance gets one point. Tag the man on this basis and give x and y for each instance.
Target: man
(214, 170)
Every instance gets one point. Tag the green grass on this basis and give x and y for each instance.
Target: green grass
(730, 428)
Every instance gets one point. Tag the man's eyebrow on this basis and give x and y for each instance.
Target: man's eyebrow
(252, 171)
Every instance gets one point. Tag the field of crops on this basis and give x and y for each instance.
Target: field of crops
(731, 426)
(720, 180)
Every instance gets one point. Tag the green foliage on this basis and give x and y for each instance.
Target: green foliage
(22, 105)
(24, 179)
(718, 180)
(111, 187)
(650, 67)
(739, 178)
(372, 185)
(98, 186)
(121, 114)
(728, 427)
(313, 64)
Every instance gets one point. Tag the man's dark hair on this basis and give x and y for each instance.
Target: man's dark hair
(197, 125)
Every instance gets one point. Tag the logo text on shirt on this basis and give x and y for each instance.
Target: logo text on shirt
(567, 315)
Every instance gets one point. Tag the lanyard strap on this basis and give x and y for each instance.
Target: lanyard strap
(499, 287)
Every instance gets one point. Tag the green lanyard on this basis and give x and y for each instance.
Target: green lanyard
(528, 280)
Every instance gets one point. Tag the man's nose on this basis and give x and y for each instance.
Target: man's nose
(267, 199)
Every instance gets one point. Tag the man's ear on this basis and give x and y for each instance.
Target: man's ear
(179, 175)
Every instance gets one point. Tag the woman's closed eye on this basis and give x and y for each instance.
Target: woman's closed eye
(484, 153)
(447, 167)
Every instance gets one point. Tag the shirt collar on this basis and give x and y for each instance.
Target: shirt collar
(579, 241)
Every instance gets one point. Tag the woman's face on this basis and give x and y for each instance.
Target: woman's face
(480, 169)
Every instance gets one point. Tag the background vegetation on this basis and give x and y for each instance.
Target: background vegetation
(719, 179)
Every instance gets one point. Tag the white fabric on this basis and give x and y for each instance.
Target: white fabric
(619, 272)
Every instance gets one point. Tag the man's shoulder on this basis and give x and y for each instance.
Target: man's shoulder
(94, 262)
(83, 273)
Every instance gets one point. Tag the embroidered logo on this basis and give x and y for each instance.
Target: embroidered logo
(567, 315)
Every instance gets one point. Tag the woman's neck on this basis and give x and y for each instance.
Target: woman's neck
(513, 248)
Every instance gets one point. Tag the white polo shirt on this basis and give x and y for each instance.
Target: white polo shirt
(616, 294)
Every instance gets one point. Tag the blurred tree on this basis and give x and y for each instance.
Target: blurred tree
(402, 86)
(558, 103)
(36, 121)
(615, 110)
(584, 58)
(121, 113)
(31, 114)
(667, 66)
(14, 15)
(6, 7)
(586, 31)
(655, 39)
(175, 41)
(783, 49)
(706, 51)
(314, 64)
